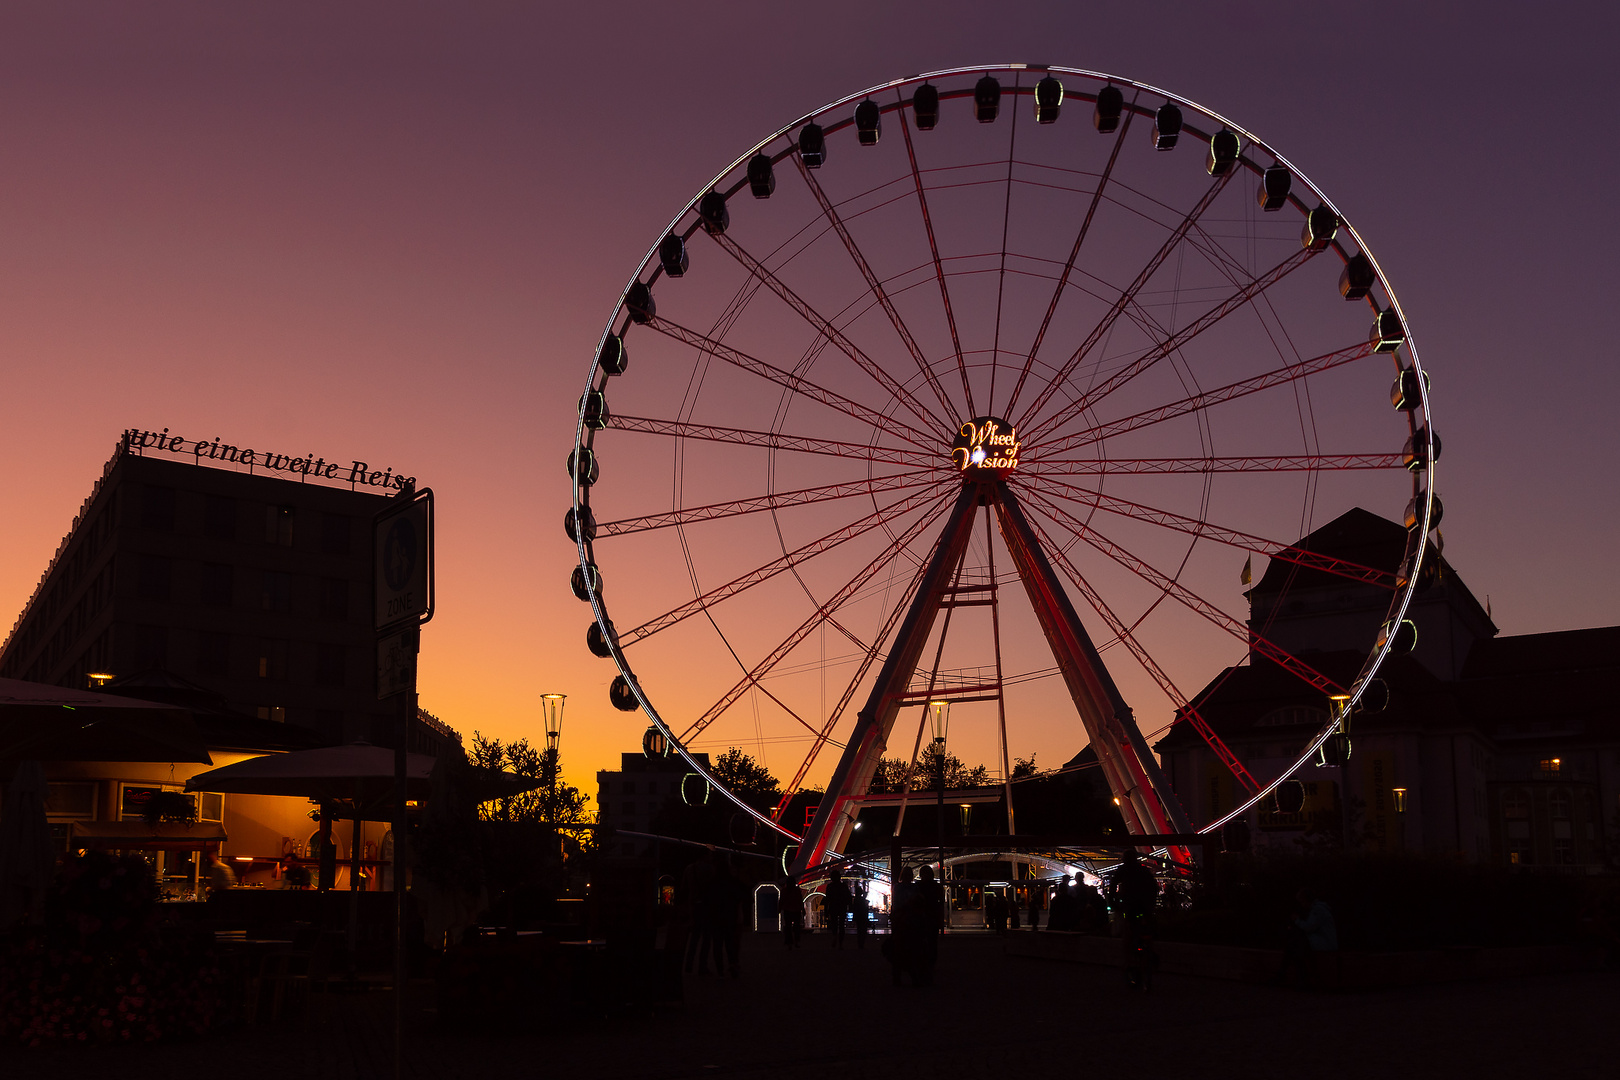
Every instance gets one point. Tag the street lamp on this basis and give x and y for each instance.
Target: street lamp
(939, 716)
(552, 706)
(1341, 743)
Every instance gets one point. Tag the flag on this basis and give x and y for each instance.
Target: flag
(1248, 570)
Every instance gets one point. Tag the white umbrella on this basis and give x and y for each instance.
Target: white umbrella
(27, 855)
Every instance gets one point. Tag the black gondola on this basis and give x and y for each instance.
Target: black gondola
(1166, 127)
(643, 309)
(1404, 392)
(579, 579)
(572, 519)
(987, 99)
(1224, 147)
(1356, 280)
(672, 255)
(925, 106)
(597, 642)
(1414, 512)
(613, 358)
(1274, 185)
(1110, 104)
(582, 466)
(868, 122)
(761, 176)
(1048, 100)
(1387, 331)
(812, 146)
(1415, 454)
(623, 698)
(593, 409)
(712, 209)
(1321, 225)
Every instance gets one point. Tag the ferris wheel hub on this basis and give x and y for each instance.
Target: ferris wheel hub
(986, 448)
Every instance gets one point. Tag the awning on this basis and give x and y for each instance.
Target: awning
(165, 835)
(52, 723)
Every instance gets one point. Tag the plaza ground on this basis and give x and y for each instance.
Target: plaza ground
(821, 1013)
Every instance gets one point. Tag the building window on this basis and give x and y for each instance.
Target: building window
(1550, 766)
(153, 583)
(1515, 803)
(330, 664)
(276, 713)
(629, 809)
(335, 530)
(335, 599)
(216, 584)
(214, 654)
(278, 525)
(629, 787)
(272, 658)
(71, 800)
(219, 517)
(157, 509)
(210, 806)
(1558, 803)
(277, 592)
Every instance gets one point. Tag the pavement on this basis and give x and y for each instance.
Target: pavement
(828, 1014)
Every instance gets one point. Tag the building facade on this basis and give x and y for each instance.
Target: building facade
(630, 798)
(1492, 749)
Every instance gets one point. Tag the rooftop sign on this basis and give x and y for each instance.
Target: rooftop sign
(356, 474)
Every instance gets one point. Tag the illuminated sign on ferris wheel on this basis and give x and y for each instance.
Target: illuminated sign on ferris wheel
(986, 446)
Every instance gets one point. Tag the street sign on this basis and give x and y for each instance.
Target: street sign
(396, 662)
(402, 552)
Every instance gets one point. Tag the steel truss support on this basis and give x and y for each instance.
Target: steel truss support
(1133, 773)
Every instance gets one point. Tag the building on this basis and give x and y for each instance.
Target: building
(631, 798)
(1492, 749)
(247, 574)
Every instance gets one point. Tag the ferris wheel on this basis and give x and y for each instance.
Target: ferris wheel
(1126, 333)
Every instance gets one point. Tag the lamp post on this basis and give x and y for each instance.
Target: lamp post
(1341, 743)
(552, 705)
(939, 715)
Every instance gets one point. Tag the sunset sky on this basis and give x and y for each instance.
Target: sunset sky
(394, 232)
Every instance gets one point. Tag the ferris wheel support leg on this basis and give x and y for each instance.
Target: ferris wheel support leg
(1139, 785)
(834, 818)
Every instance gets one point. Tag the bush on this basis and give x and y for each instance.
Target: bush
(101, 970)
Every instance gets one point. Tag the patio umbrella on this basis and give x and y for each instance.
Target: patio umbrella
(27, 855)
(52, 723)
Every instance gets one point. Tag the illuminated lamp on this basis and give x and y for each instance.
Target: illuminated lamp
(598, 642)
(1166, 127)
(582, 466)
(1414, 512)
(761, 176)
(584, 582)
(98, 679)
(1404, 393)
(612, 357)
(1387, 332)
(1356, 280)
(966, 810)
(672, 255)
(593, 410)
(1110, 104)
(1375, 697)
(812, 146)
(1321, 226)
(580, 521)
(1290, 797)
(1048, 100)
(925, 106)
(1235, 835)
(623, 698)
(1415, 454)
(712, 209)
(695, 789)
(1402, 636)
(655, 743)
(640, 302)
(868, 122)
(1400, 799)
(987, 99)
(1224, 148)
(1274, 185)
(552, 704)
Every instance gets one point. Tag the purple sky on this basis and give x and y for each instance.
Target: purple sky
(394, 232)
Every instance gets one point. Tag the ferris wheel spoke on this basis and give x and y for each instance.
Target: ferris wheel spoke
(801, 444)
(1128, 295)
(1117, 626)
(877, 289)
(778, 565)
(1176, 341)
(1068, 267)
(939, 267)
(1183, 595)
(1198, 402)
(825, 327)
(1006, 224)
(824, 614)
(1243, 541)
(774, 501)
(797, 383)
(1281, 463)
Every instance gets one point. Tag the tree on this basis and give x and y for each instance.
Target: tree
(747, 779)
(891, 773)
(553, 802)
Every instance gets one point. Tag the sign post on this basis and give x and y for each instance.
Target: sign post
(403, 595)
